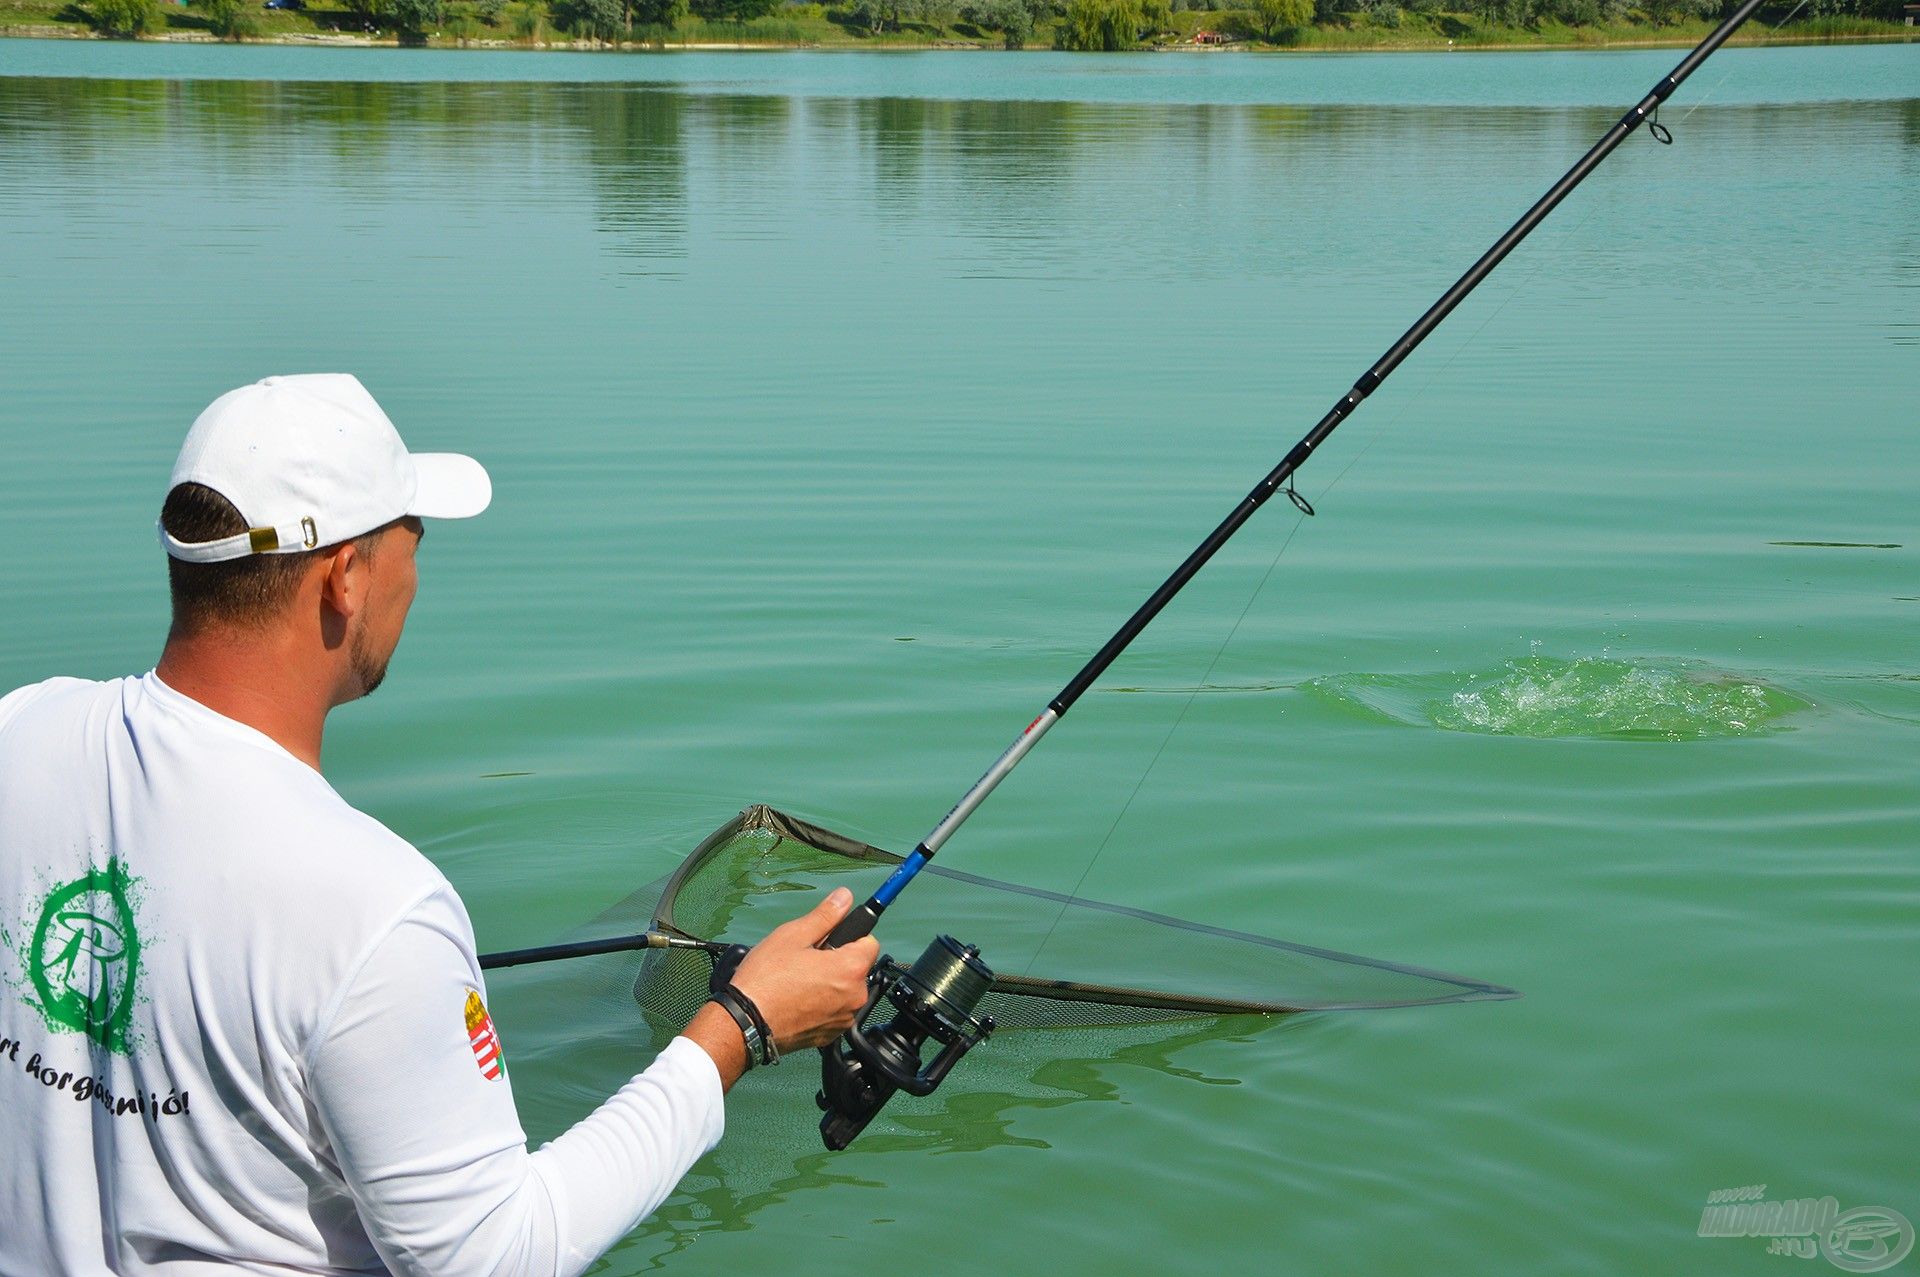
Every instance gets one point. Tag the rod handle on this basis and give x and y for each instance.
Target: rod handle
(857, 925)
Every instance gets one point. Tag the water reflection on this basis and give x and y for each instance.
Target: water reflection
(637, 162)
(997, 188)
(1906, 262)
(772, 1151)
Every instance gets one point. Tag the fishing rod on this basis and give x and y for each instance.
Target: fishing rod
(936, 999)
(860, 921)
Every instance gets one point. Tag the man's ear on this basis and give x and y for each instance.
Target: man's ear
(343, 579)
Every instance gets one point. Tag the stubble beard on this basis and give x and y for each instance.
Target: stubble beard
(370, 670)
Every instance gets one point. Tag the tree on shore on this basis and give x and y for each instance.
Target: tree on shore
(878, 15)
(1013, 19)
(124, 18)
(1275, 16)
(228, 19)
(411, 18)
(734, 10)
(1099, 26)
(1667, 12)
(661, 13)
(592, 19)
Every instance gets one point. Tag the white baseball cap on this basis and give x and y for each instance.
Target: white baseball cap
(311, 461)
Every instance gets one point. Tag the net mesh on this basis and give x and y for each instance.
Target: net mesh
(1122, 1013)
(764, 867)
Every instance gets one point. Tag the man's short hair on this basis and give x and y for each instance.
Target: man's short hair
(248, 591)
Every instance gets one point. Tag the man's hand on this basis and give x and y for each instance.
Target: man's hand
(808, 996)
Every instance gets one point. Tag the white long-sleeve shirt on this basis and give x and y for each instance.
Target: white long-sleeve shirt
(242, 1025)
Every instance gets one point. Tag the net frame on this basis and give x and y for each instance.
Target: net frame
(1141, 1003)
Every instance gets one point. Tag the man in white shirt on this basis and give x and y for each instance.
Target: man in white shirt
(243, 1025)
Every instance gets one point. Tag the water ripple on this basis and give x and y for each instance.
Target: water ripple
(1545, 697)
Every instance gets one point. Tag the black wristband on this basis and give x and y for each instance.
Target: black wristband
(749, 1031)
(753, 1025)
(770, 1054)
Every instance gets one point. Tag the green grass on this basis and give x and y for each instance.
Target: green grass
(179, 20)
(819, 25)
(812, 24)
(1465, 30)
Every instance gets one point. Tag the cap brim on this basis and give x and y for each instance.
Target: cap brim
(452, 486)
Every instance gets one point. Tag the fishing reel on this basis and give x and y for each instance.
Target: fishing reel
(934, 999)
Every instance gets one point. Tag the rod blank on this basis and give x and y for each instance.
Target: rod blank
(861, 920)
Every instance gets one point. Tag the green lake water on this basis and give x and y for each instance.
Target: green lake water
(839, 405)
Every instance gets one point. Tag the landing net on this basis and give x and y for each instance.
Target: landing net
(1104, 964)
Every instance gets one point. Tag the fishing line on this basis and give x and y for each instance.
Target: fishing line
(860, 921)
(1306, 510)
(1572, 234)
(1073, 893)
(1661, 133)
(945, 999)
(1728, 74)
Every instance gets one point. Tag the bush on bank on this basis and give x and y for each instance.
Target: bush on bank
(124, 19)
(1013, 24)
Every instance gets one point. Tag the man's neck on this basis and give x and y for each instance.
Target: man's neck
(254, 678)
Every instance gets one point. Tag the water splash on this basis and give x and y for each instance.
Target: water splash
(1595, 697)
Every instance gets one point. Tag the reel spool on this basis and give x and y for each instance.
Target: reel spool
(933, 999)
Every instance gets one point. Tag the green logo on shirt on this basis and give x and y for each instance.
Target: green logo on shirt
(84, 957)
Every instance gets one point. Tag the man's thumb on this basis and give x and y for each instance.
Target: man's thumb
(824, 916)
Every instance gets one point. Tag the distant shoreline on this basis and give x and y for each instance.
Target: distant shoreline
(326, 39)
